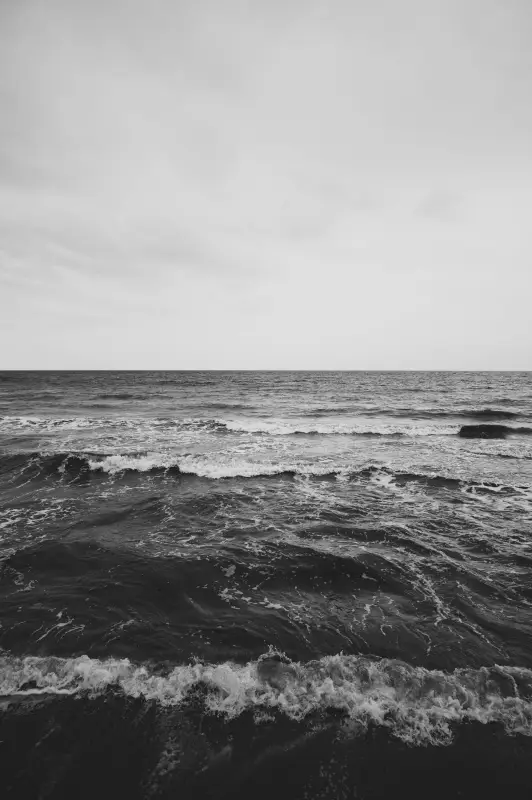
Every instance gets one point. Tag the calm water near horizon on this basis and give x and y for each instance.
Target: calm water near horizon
(211, 581)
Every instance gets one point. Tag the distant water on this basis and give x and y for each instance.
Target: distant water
(242, 584)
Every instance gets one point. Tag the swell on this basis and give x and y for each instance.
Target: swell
(492, 431)
(294, 566)
(76, 596)
(416, 413)
(324, 411)
(417, 705)
(230, 406)
(472, 413)
(491, 413)
(281, 567)
(127, 396)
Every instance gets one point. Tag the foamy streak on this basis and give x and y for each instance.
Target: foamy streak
(417, 705)
(218, 467)
(114, 464)
(241, 468)
(53, 424)
(250, 426)
(271, 427)
(211, 468)
(42, 424)
(204, 467)
(281, 428)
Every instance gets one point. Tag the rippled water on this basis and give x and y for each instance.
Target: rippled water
(255, 570)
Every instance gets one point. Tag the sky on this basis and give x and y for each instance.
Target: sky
(271, 184)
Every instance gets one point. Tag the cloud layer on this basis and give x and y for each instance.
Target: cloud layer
(265, 185)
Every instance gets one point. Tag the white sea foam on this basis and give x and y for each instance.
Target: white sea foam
(284, 428)
(56, 424)
(213, 466)
(273, 427)
(144, 462)
(169, 428)
(232, 464)
(216, 467)
(44, 424)
(417, 705)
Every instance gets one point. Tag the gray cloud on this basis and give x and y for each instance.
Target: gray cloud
(287, 184)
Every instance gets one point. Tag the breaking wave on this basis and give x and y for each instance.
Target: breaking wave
(281, 428)
(274, 427)
(417, 705)
(72, 465)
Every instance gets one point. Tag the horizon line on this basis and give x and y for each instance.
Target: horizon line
(249, 369)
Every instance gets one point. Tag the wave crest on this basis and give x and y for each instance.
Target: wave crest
(74, 464)
(417, 705)
(265, 427)
(282, 428)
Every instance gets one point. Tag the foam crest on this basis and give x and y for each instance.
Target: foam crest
(39, 424)
(212, 466)
(54, 424)
(143, 462)
(215, 468)
(231, 464)
(251, 426)
(418, 705)
(282, 428)
(271, 427)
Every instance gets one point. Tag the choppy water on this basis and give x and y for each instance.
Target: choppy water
(209, 580)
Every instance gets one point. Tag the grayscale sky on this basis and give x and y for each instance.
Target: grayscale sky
(266, 184)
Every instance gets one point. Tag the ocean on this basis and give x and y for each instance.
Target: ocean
(256, 584)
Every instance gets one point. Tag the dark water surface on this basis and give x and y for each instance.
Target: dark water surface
(239, 584)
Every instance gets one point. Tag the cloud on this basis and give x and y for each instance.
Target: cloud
(297, 184)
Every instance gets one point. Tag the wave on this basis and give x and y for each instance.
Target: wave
(325, 411)
(282, 428)
(274, 427)
(42, 423)
(487, 414)
(258, 427)
(123, 396)
(229, 406)
(417, 705)
(53, 424)
(81, 464)
(490, 413)
(76, 464)
(414, 413)
(492, 431)
(182, 381)
(473, 413)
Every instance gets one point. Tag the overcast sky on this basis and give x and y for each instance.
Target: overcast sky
(266, 184)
